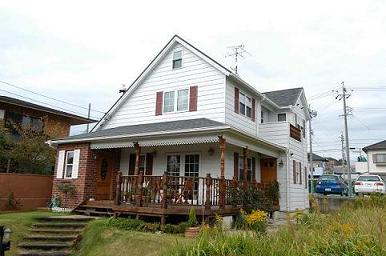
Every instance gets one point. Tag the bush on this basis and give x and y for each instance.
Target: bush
(192, 217)
(176, 229)
(126, 223)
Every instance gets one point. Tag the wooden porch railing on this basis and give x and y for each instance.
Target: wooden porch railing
(165, 191)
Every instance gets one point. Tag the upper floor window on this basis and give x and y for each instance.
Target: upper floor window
(379, 158)
(177, 59)
(169, 101)
(245, 105)
(181, 104)
(282, 117)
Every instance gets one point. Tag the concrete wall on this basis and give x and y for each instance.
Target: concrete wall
(30, 190)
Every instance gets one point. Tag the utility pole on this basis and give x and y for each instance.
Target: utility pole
(88, 116)
(312, 115)
(342, 140)
(344, 96)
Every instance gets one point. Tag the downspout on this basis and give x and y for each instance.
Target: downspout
(288, 182)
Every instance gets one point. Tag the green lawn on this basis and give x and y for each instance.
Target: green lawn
(19, 223)
(99, 240)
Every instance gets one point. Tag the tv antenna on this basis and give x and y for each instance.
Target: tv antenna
(236, 51)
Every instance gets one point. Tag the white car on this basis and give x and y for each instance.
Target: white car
(368, 183)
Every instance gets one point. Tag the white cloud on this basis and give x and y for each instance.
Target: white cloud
(80, 50)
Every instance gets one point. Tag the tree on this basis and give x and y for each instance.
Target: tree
(5, 147)
(31, 153)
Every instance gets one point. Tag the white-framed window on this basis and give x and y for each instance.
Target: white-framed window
(241, 168)
(176, 104)
(281, 117)
(379, 158)
(245, 104)
(177, 59)
(69, 163)
(182, 100)
(169, 101)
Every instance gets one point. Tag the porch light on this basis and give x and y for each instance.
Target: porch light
(281, 163)
(210, 151)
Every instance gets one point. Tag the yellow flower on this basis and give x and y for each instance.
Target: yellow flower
(256, 216)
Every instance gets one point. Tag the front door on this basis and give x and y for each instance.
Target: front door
(104, 168)
(268, 170)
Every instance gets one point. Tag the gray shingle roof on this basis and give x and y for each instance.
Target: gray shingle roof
(149, 128)
(316, 157)
(285, 97)
(379, 145)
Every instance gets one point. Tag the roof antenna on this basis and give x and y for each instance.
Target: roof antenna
(236, 52)
(122, 89)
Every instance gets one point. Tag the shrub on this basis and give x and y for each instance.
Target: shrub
(125, 223)
(192, 217)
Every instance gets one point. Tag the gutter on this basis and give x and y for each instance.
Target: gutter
(126, 136)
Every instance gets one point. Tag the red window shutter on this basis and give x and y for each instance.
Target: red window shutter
(237, 100)
(193, 98)
(149, 164)
(253, 169)
(236, 165)
(158, 103)
(253, 109)
(294, 170)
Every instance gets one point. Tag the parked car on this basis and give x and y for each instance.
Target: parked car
(366, 184)
(331, 184)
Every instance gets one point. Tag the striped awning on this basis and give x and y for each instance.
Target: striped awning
(156, 142)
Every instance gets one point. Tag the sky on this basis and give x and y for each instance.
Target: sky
(83, 51)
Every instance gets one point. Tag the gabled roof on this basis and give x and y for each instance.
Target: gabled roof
(316, 157)
(176, 39)
(284, 98)
(74, 119)
(156, 128)
(376, 146)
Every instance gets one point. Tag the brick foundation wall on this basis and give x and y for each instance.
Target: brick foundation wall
(85, 184)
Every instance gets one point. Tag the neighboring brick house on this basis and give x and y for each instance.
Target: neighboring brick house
(52, 122)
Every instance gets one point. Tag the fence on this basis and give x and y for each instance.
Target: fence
(24, 191)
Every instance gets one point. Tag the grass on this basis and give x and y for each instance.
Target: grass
(19, 223)
(358, 229)
(98, 240)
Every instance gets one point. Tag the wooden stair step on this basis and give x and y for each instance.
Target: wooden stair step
(61, 224)
(51, 237)
(44, 253)
(56, 231)
(69, 218)
(87, 212)
(46, 245)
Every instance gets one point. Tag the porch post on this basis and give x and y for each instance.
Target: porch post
(222, 189)
(137, 158)
(118, 189)
(245, 163)
(139, 176)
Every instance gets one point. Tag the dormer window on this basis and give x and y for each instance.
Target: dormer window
(177, 59)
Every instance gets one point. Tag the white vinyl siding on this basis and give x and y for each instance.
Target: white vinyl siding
(238, 120)
(139, 107)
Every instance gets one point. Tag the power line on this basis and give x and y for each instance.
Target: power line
(55, 107)
(48, 97)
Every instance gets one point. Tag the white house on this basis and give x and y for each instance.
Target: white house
(376, 158)
(189, 116)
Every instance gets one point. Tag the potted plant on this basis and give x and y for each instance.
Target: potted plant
(193, 230)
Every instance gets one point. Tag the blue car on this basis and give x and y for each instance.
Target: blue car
(331, 184)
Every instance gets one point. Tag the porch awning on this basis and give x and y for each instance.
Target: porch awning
(156, 142)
